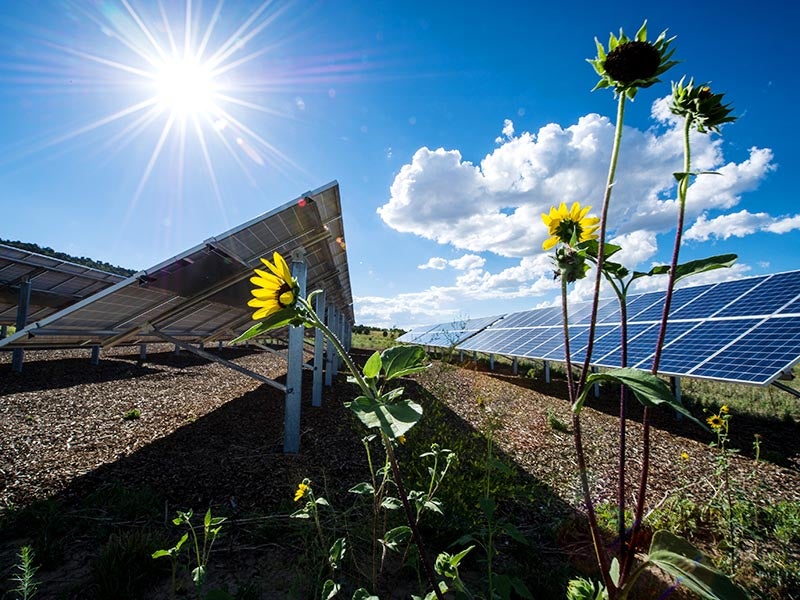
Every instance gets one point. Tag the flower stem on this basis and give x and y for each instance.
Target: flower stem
(601, 243)
(430, 574)
(602, 559)
(683, 187)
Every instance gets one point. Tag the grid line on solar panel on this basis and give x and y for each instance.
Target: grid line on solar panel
(681, 297)
(711, 303)
(611, 344)
(759, 355)
(677, 331)
(774, 293)
(549, 340)
(642, 302)
(576, 336)
(704, 340)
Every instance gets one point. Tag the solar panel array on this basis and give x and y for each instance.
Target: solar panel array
(446, 335)
(745, 330)
(201, 294)
(55, 283)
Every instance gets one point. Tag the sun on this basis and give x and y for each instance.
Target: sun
(185, 86)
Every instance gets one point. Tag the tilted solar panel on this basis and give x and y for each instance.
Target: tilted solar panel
(745, 330)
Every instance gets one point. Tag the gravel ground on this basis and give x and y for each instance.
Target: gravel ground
(207, 435)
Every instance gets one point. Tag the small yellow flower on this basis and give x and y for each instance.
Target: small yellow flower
(277, 288)
(563, 223)
(302, 490)
(401, 439)
(715, 421)
(724, 409)
(685, 456)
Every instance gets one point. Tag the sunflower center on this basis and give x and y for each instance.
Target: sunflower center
(285, 295)
(566, 228)
(633, 61)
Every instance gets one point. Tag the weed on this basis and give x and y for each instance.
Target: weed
(124, 569)
(131, 415)
(555, 423)
(26, 577)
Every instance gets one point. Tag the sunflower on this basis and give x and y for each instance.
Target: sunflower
(302, 490)
(277, 288)
(702, 107)
(632, 64)
(564, 225)
(724, 409)
(715, 421)
(685, 456)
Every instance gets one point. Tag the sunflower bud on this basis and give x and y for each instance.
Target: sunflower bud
(702, 107)
(633, 61)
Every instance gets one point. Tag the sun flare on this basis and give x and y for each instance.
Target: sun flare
(186, 87)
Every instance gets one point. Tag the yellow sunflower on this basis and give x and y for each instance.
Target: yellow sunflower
(302, 490)
(277, 288)
(724, 409)
(563, 223)
(715, 421)
(685, 456)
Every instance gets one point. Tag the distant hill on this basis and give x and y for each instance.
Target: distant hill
(86, 262)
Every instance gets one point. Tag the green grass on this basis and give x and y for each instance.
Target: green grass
(374, 340)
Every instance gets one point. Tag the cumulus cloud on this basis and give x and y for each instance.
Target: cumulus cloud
(434, 263)
(495, 205)
(467, 262)
(739, 224)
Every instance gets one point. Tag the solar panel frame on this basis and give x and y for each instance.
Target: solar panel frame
(201, 294)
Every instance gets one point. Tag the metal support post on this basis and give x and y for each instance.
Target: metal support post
(142, 352)
(547, 371)
(330, 351)
(491, 362)
(515, 366)
(294, 373)
(319, 353)
(596, 386)
(18, 356)
(461, 356)
(95, 355)
(3, 331)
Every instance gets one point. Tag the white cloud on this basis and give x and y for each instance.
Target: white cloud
(467, 262)
(508, 131)
(495, 205)
(434, 263)
(739, 224)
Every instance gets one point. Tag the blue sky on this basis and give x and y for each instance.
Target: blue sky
(449, 126)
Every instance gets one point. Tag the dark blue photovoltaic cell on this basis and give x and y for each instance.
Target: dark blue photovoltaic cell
(767, 298)
(701, 341)
(525, 345)
(680, 298)
(759, 356)
(601, 333)
(488, 338)
(613, 355)
(642, 302)
(578, 336)
(548, 340)
(717, 297)
(793, 308)
(580, 313)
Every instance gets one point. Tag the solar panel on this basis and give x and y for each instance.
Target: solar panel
(447, 335)
(201, 294)
(55, 283)
(745, 330)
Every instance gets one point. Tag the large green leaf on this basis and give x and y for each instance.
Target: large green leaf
(648, 389)
(692, 267)
(593, 248)
(403, 360)
(686, 563)
(393, 419)
(372, 368)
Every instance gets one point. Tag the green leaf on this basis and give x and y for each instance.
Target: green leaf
(337, 552)
(393, 419)
(391, 503)
(434, 505)
(199, 575)
(686, 563)
(372, 368)
(648, 389)
(395, 537)
(330, 589)
(207, 519)
(362, 594)
(515, 534)
(362, 489)
(403, 360)
(614, 571)
(722, 261)
(160, 553)
(592, 248)
(487, 506)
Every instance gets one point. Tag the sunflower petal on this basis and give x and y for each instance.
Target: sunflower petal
(549, 243)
